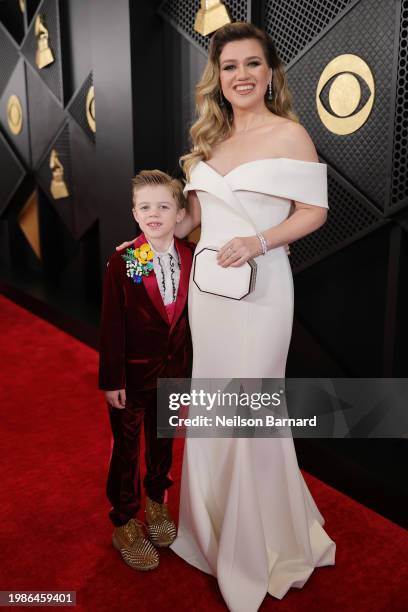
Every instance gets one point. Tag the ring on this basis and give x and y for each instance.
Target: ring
(230, 251)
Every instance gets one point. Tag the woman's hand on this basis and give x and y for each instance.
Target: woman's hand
(238, 250)
(125, 244)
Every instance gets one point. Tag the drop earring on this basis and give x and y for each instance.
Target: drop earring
(270, 95)
(221, 99)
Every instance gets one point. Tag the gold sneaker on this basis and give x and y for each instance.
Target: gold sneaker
(160, 526)
(135, 548)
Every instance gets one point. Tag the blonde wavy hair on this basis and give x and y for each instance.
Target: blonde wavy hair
(214, 122)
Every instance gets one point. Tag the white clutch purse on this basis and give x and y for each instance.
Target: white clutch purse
(233, 283)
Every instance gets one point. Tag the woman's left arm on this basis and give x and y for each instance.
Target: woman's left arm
(305, 219)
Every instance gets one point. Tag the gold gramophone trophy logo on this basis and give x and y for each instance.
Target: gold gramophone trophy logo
(210, 17)
(58, 187)
(44, 55)
(14, 115)
(346, 77)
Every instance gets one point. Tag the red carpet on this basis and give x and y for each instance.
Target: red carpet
(54, 528)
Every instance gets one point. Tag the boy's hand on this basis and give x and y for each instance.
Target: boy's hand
(117, 399)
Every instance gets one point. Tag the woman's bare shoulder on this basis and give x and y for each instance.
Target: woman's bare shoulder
(295, 141)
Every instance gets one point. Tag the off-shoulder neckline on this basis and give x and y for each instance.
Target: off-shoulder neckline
(301, 161)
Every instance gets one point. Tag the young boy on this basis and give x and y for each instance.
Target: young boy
(144, 336)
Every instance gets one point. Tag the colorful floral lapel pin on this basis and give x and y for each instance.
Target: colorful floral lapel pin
(138, 262)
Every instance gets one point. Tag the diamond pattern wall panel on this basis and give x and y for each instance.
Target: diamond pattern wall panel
(29, 223)
(348, 220)
(8, 57)
(51, 74)
(294, 23)
(399, 176)
(84, 175)
(31, 8)
(58, 247)
(182, 13)
(77, 107)
(12, 18)
(63, 206)
(17, 86)
(363, 156)
(11, 179)
(46, 115)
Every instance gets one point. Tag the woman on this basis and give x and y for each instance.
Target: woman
(246, 514)
(255, 185)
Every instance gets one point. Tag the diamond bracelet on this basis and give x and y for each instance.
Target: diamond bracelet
(264, 246)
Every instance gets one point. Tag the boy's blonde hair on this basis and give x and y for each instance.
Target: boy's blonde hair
(154, 178)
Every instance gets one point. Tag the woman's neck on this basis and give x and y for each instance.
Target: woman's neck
(245, 120)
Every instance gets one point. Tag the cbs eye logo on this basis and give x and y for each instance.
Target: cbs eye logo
(90, 108)
(345, 94)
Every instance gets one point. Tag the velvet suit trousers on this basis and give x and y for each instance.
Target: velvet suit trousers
(124, 480)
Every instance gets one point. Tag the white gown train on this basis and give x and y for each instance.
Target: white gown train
(246, 514)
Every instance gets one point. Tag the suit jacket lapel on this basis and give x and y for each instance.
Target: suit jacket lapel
(186, 257)
(150, 284)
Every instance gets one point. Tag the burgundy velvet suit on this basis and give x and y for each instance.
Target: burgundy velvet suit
(138, 345)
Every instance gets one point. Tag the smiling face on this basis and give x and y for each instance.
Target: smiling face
(244, 73)
(157, 213)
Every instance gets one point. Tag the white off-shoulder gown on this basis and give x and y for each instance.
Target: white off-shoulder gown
(246, 514)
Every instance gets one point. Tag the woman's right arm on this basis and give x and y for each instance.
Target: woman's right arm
(192, 218)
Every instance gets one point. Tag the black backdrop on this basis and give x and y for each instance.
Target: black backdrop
(143, 59)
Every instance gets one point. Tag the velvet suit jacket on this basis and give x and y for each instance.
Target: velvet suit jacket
(138, 344)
